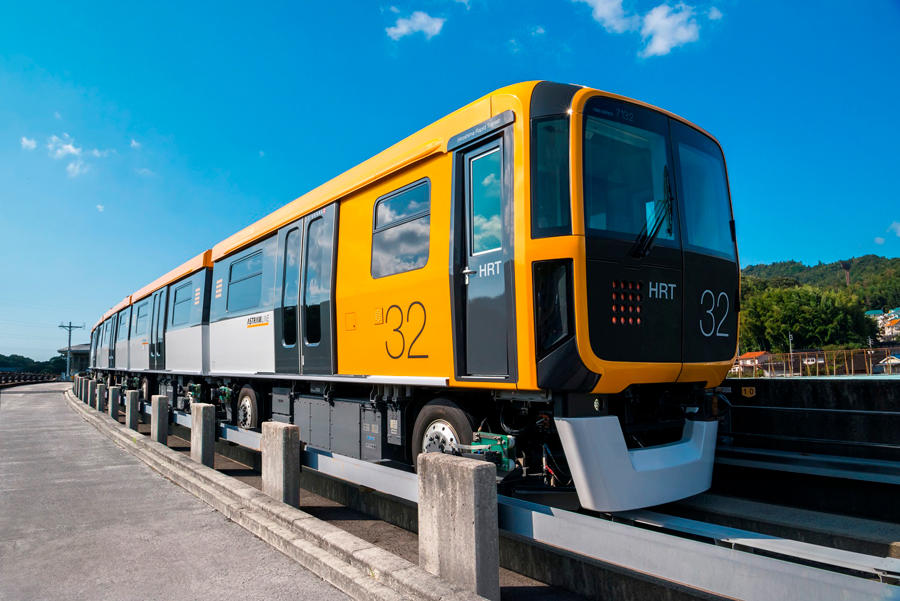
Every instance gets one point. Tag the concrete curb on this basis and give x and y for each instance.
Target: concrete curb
(355, 566)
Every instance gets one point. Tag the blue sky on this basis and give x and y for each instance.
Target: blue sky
(133, 138)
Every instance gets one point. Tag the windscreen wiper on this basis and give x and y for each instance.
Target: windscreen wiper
(644, 243)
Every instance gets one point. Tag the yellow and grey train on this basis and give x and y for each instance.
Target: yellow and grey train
(546, 278)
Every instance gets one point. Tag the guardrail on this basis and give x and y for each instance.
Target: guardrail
(17, 378)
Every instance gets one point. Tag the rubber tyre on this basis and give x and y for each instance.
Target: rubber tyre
(247, 396)
(440, 409)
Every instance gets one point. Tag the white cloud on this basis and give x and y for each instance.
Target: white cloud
(61, 147)
(101, 153)
(135, 144)
(879, 240)
(144, 172)
(895, 227)
(464, 2)
(57, 115)
(76, 168)
(100, 208)
(28, 143)
(665, 28)
(514, 46)
(538, 31)
(714, 14)
(417, 22)
(611, 15)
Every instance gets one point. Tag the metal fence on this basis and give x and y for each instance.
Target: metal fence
(875, 361)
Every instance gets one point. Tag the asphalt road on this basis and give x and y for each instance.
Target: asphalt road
(82, 519)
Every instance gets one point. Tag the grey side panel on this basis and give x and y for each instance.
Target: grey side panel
(345, 428)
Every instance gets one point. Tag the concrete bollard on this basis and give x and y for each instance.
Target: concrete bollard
(132, 409)
(76, 387)
(80, 393)
(114, 396)
(159, 418)
(459, 539)
(101, 398)
(203, 433)
(91, 391)
(280, 447)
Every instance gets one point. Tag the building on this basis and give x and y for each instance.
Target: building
(81, 354)
(889, 365)
(750, 363)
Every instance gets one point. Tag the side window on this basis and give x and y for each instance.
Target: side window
(317, 284)
(290, 294)
(484, 186)
(402, 224)
(245, 283)
(123, 326)
(550, 202)
(181, 304)
(140, 321)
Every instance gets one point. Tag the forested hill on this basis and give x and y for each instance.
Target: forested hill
(875, 280)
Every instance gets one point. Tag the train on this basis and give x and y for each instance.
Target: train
(546, 279)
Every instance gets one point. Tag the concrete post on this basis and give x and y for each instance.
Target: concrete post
(280, 447)
(101, 398)
(92, 392)
(459, 538)
(203, 433)
(159, 418)
(114, 395)
(132, 409)
(80, 393)
(76, 386)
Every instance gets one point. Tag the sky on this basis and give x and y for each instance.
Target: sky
(133, 138)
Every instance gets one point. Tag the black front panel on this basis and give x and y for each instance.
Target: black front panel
(710, 308)
(634, 310)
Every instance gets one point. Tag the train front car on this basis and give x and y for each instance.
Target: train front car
(655, 302)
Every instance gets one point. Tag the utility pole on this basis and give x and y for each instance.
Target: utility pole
(791, 351)
(69, 327)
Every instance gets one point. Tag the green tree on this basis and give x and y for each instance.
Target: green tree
(816, 318)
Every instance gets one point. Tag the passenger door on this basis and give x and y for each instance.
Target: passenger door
(317, 353)
(287, 305)
(483, 285)
(157, 334)
(113, 323)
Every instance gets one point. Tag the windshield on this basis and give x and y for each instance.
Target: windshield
(703, 190)
(628, 174)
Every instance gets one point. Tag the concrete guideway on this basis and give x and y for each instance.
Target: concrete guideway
(81, 519)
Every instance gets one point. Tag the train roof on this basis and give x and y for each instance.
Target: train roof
(426, 142)
(188, 267)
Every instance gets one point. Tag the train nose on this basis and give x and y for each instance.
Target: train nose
(610, 477)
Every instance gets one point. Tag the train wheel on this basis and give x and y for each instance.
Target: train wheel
(247, 408)
(145, 389)
(439, 427)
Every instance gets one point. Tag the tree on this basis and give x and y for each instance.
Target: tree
(816, 318)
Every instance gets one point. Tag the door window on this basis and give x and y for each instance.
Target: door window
(317, 284)
(485, 189)
(290, 293)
